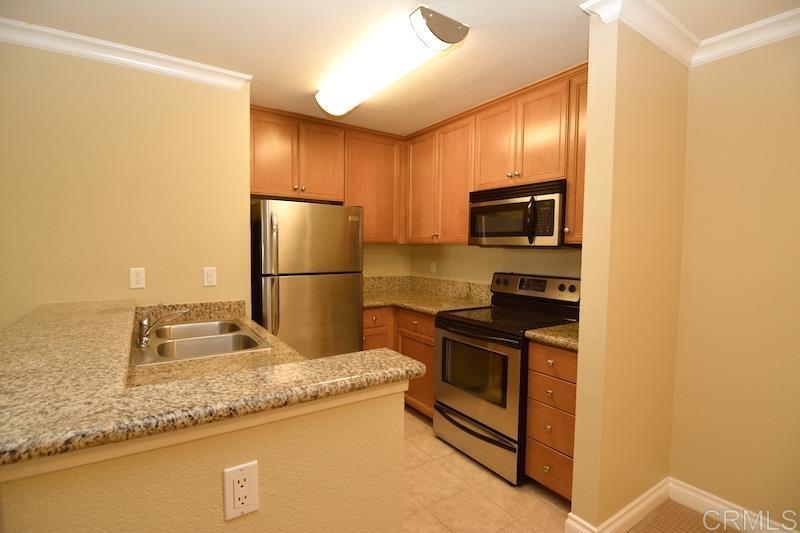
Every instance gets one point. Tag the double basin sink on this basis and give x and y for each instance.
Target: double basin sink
(193, 340)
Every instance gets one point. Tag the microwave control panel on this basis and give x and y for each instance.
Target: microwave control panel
(565, 289)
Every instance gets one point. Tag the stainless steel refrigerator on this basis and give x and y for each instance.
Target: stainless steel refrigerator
(306, 274)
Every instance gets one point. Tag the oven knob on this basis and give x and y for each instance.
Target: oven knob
(498, 281)
(562, 287)
(505, 282)
(573, 288)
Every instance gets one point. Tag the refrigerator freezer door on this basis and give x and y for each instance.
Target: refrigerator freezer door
(317, 315)
(302, 238)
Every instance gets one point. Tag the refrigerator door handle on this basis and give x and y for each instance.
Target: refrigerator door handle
(275, 307)
(273, 264)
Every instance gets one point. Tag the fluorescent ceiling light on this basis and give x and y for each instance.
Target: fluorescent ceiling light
(397, 48)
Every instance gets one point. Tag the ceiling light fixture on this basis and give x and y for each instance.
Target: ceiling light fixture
(397, 48)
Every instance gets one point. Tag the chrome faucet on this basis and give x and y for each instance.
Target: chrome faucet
(145, 327)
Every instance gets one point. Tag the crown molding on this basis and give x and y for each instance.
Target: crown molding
(766, 31)
(24, 34)
(658, 25)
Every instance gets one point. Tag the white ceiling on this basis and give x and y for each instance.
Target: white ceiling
(707, 18)
(289, 46)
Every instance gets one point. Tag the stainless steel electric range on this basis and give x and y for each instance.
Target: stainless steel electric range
(481, 363)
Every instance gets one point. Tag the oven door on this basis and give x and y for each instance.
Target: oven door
(523, 221)
(479, 376)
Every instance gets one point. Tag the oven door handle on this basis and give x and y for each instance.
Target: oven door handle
(480, 336)
(531, 220)
(443, 411)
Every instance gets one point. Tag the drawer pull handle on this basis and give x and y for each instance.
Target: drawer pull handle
(546, 468)
(548, 393)
(551, 363)
(548, 427)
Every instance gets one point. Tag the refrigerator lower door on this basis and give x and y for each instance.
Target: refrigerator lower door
(317, 314)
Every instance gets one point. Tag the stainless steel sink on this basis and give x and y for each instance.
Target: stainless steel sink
(194, 340)
(197, 329)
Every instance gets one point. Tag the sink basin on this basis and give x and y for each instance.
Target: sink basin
(197, 329)
(200, 346)
(193, 340)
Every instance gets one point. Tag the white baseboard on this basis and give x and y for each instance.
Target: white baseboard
(683, 493)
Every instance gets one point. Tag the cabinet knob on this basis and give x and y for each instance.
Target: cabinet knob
(548, 393)
(516, 172)
(296, 187)
(436, 235)
(414, 322)
(374, 319)
(302, 188)
(551, 363)
(363, 338)
(509, 174)
(433, 235)
(566, 230)
(546, 469)
(548, 427)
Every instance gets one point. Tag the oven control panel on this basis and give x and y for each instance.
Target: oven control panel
(564, 289)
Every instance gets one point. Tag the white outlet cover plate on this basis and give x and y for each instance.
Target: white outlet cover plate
(137, 278)
(209, 276)
(231, 476)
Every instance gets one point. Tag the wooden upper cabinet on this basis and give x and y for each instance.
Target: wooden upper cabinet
(321, 167)
(495, 145)
(455, 177)
(421, 188)
(576, 160)
(542, 134)
(274, 154)
(372, 180)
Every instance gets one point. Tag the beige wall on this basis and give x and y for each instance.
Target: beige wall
(333, 470)
(631, 274)
(467, 263)
(105, 168)
(736, 430)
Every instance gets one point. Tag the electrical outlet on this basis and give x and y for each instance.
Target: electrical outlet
(240, 489)
(137, 278)
(209, 276)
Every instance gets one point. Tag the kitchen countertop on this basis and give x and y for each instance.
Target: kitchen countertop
(429, 304)
(564, 336)
(64, 381)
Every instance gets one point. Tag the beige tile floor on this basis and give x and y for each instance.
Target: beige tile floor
(446, 491)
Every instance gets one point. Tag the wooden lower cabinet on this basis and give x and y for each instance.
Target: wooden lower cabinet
(550, 421)
(411, 334)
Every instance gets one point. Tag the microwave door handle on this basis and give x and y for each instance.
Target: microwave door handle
(531, 220)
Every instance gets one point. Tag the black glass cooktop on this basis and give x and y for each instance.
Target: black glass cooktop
(509, 320)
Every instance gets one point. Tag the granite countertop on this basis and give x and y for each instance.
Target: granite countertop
(564, 336)
(429, 304)
(64, 381)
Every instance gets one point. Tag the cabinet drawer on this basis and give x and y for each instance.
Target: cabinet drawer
(552, 427)
(554, 362)
(548, 467)
(375, 338)
(552, 391)
(416, 322)
(377, 317)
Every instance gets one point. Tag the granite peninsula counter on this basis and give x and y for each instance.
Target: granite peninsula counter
(65, 382)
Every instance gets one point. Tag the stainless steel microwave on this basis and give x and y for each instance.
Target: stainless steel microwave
(524, 215)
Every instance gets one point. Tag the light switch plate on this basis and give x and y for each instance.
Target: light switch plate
(137, 277)
(240, 489)
(209, 276)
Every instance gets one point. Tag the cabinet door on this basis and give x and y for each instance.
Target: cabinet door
(274, 154)
(375, 338)
(321, 168)
(542, 134)
(420, 390)
(576, 158)
(421, 193)
(372, 180)
(455, 171)
(495, 145)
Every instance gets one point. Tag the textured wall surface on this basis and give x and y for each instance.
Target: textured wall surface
(106, 167)
(736, 429)
(333, 470)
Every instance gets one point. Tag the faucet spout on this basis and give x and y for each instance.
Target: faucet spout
(145, 327)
